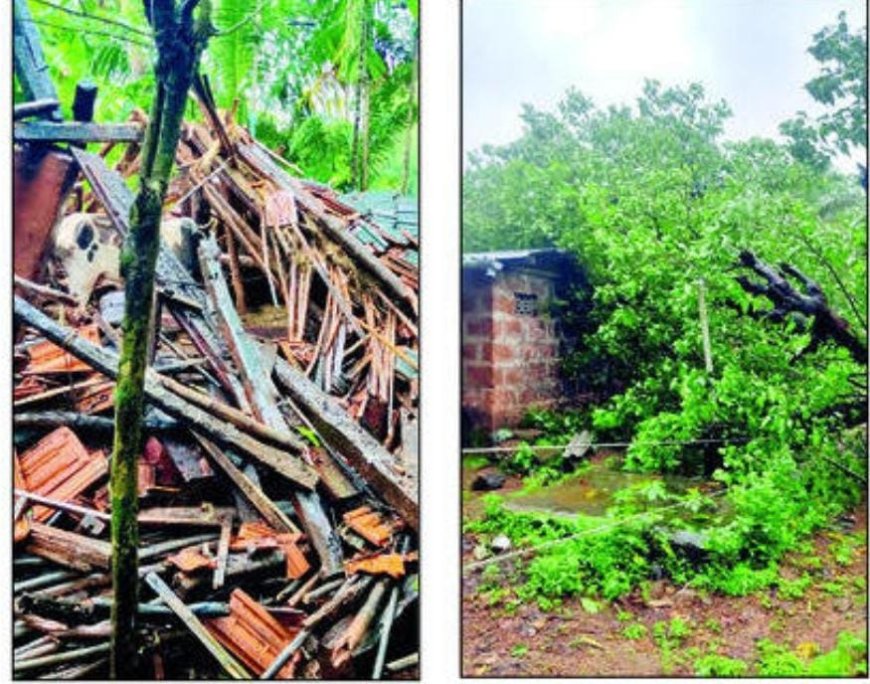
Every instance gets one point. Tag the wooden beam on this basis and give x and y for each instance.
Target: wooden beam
(35, 108)
(30, 65)
(172, 276)
(363, 452)
(262, 394)
(68, 549)
(75, 132)
(263, 504)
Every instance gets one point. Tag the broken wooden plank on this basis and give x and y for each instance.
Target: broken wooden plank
(44, 291)
(262, 394)
(359, 626)
(205, 516)
(229, 664)
(80, 421)
(222, 554)
(172, 277)
(263, 504)
(334, 227)
(238, 566)
(282, 438)
(75, 132)
(106, 362)
(20, 666)
(364, 453)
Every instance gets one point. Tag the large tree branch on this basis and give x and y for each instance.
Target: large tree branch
(787, 299)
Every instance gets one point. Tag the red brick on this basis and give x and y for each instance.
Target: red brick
(479, 326)
(503, 302)
(510, 328)
(504, 352)
(514, 377)
(485, 351)
(470, 351)
(479, 376)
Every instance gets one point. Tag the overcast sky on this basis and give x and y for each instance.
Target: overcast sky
(752, 53)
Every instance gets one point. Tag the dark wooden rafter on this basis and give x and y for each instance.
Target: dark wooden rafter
(75, 132)
(30, 65)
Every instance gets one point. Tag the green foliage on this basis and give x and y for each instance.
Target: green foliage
(842, 87)
(656, 205)
(559, 426)
(847, 659)
(793, 589)
(844, 546)
(714, 665)
(635, 631)
(590, 606)
(775, 660)
(289, 68)
(519, 651)
(669, 636)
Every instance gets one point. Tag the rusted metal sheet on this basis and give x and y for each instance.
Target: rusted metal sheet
(253, 635)
(42, 179)
(60, 467)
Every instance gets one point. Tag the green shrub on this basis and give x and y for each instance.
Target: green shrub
(713, 665)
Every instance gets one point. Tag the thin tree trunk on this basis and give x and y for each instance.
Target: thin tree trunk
(359, 149)
(179, 43)
(409, 134)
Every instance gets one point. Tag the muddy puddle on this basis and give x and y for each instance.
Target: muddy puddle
(591, 492)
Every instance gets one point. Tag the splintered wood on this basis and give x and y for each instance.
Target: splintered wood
(277, 483)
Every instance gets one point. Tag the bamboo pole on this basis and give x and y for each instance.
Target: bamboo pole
(705, 327)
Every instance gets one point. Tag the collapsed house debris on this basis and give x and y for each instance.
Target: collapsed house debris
(278, 495)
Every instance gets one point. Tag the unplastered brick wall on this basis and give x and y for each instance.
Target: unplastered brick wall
(510, 347)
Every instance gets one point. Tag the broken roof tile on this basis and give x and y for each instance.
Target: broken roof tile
(190, 560)
(392, 564)
(46, 357)
(253, 635)
(370, 525)
(59, 467)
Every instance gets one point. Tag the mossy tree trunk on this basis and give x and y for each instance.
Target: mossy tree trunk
(179, 40)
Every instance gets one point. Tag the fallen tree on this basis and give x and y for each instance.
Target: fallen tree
(812, 303)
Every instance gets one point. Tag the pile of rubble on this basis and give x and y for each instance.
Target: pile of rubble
(278, 496)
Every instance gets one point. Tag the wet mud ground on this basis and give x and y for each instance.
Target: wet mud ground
(568, 641)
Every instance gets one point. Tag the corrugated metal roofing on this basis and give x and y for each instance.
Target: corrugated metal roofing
(493, 262)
